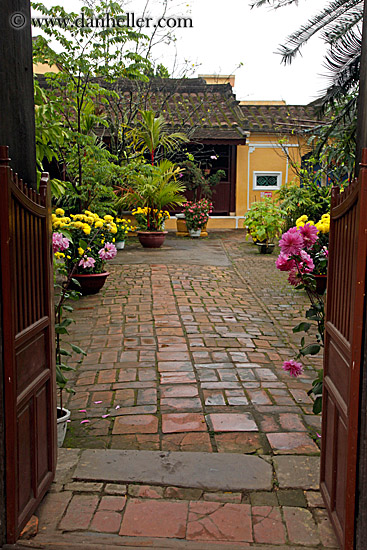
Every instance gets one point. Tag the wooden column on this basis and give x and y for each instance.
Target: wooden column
(2, 439)
(16, 88)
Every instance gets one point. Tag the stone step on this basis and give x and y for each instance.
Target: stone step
(207, 471)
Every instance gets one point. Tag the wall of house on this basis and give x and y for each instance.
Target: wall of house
(263, 154)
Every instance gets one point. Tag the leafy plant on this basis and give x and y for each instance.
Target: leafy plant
(157, 188)
(264, 221)
(151, 135)
(197, 213)
(195, 180)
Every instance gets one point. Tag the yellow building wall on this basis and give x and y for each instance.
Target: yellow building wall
(262, 153)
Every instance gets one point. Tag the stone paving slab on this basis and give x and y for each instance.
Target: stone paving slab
(173, 251)
(301, 472)
(208, 471)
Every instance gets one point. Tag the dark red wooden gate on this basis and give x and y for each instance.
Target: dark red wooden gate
(28, 342)
(343, 353)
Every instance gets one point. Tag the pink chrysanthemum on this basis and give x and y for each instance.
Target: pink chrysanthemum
(295, 369)
(294, 277)
(108, 252)
(59, 242)
(307, 264)
(291, 242)
(87, 262)
(283, 263)
(309, 234)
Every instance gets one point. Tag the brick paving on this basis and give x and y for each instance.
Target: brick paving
(187, 357)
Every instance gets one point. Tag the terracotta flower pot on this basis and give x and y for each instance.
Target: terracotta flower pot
(152, 239)
(91, 283)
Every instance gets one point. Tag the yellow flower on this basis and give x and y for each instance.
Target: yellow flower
(78, 225)
(113, 230)
(301, 219)
(59, 255)
(98, 224)
(80, 251)
(86, 229)
(59, 211)
(325, 216)
(68, 257)
(108, 218)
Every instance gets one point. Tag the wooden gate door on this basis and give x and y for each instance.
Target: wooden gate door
(28, 345)
(343, 353)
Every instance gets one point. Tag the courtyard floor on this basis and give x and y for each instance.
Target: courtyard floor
(185, 346)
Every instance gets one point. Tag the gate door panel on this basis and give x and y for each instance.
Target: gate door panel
(29, 371)
(343, 353)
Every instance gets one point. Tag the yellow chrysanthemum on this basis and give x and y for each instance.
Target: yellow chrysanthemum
(59, 211)
(78, 225)
(98, 224)
(86, 229)
(59, 255)
(108, 218)
(80, 251)
(301, 219)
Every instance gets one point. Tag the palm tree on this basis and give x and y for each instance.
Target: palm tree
(155, 188)
(151, 134)
(339, 24)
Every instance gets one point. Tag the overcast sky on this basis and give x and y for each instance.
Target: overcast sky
(228, 33)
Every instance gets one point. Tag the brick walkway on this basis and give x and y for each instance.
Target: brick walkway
(184, 354)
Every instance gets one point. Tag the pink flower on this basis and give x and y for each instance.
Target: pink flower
(108, 252)
(293, 277)
(309, 234)
(283, 263)
(87, 262)
(295, 369)
(307, 264)
(291, 242)
(59, 242)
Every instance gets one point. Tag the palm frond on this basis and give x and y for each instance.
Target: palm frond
(344, 24)
(299, 38)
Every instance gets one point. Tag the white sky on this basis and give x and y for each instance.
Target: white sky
(227, 33)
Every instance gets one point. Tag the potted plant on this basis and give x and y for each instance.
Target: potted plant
(304, 255)
(197, 215)
(90, 244)
(201, 184)
(264, 223)
(150, 193)
(123, 228)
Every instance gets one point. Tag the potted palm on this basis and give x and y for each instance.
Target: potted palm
(151, 192)
(264, 224)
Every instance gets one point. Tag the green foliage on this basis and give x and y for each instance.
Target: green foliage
(310, 199)
(151, 136)
(155, 188)
(264, 221)
(194, 179)
(73, 102)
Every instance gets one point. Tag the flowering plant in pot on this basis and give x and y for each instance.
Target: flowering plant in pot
(153, 190)
(84, 242)
(264, 224)
(304, 256)
(197, 215)
(123, 227)
(141, 216)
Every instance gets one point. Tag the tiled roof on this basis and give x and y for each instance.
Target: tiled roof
(279, 118)
(203, 111)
